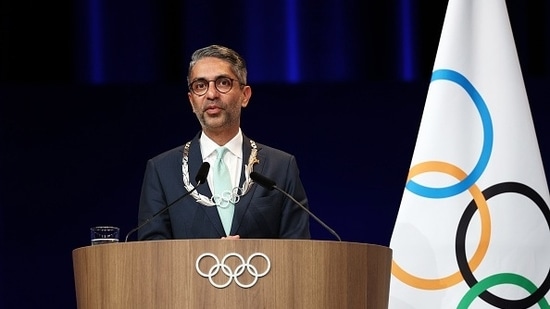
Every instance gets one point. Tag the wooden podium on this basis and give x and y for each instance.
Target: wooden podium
(245, 273)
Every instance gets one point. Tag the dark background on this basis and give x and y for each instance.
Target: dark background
(89, 90)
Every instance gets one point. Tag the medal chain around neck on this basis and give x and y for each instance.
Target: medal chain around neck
(235, 195)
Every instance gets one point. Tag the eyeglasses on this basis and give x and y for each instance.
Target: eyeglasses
(223, 84)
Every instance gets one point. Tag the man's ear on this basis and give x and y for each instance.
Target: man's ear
(189, 94)
(247, 93)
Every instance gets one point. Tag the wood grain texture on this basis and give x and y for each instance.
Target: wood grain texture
(162, 274)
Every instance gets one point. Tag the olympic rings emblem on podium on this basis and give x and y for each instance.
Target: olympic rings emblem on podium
(233, 274)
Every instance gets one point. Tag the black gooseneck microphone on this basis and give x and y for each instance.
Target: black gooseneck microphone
(270, 185)
(199, 179)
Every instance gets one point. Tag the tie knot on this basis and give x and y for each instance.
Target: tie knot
(221, 152)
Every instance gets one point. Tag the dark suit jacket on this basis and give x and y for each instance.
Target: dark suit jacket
(261, 213)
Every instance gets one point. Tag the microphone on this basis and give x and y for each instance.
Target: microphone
(199, 179)
(270, 185)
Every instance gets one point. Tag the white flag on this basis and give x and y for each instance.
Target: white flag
(473, 228)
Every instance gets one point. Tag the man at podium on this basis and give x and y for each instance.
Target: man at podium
(230, 204)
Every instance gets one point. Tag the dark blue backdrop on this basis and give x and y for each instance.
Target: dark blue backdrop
(91, 89)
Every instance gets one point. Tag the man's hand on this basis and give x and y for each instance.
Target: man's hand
(232, 237)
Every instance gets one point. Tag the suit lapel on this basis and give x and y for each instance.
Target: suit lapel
(244, 202)
(195, 161)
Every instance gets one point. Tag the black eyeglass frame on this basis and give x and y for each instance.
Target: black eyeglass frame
(216, 81)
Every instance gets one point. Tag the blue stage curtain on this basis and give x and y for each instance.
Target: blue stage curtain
(142, 41)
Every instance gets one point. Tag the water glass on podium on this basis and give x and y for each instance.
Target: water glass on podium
(104, 234)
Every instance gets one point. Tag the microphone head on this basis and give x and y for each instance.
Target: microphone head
(202, 173)
(262, 180)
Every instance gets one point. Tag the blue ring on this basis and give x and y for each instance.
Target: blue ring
(487, 124)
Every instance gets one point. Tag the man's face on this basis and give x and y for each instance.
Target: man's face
(217, 111)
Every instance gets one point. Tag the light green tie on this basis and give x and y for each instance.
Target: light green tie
(222, 191)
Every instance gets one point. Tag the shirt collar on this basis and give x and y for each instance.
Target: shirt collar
(208, 146)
